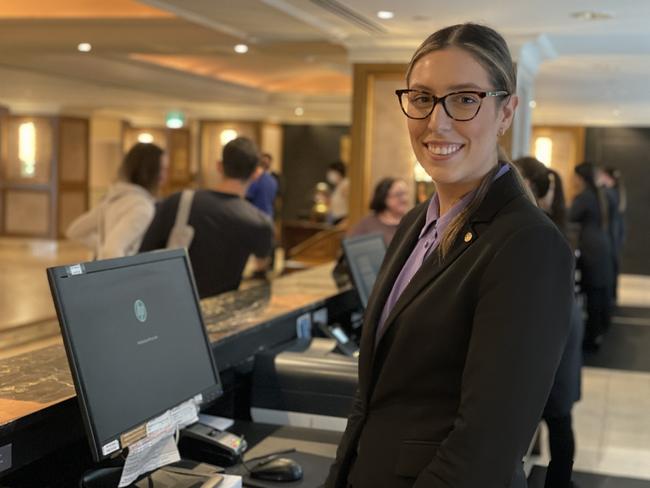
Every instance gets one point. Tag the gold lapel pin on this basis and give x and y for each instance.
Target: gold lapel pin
(468, 237)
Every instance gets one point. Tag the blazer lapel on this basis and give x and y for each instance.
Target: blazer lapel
(429, 271)
(501, 192)
(383, 286)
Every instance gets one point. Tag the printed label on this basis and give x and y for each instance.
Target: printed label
(111, 447)
(75, 269)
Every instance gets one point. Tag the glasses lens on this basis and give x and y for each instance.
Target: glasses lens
(463, 106)
(417, 104)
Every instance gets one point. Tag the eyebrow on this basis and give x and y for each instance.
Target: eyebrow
(461, 86)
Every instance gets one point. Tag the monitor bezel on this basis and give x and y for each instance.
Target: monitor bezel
(56, 273)
(356, 280)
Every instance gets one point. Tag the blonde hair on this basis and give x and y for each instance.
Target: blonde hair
(490, 49)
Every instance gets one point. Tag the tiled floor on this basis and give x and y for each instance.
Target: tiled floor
(634, 291)
(24, 292)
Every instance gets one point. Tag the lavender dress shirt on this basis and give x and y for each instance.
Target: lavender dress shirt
(429, 239)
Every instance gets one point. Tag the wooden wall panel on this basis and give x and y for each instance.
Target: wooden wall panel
(73, 147)
(27, 213)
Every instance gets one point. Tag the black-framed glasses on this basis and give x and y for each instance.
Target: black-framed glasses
(462, 105)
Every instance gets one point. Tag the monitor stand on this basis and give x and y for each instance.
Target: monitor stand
(183, 474)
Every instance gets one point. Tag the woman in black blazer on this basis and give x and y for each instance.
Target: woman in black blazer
(470, 312)
(590, 210)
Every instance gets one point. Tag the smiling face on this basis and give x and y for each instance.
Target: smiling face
(457, 154)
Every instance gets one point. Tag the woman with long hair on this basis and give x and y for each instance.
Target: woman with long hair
(116, 226)
(469, 314)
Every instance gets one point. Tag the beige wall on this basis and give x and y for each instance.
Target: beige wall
(390, 152)
(568, 150)
(105, 154)
(271, 142)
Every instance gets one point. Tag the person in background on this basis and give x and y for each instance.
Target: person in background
(612, 183)
(546, 186)
(227, 228)
(264, 188)
(469, 315)
(590, 210)
(340, 193)
(390, 202)
(115, 227)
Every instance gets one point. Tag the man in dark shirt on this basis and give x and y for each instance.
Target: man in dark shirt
(227, 228)
(263, 190)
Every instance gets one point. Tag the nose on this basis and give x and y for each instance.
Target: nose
(439, 120)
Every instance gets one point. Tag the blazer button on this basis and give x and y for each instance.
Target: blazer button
(468, 237)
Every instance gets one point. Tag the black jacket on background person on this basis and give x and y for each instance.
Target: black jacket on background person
(595, 260)
(227, 230)
(453, 392)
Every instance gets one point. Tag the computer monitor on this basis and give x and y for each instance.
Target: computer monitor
(135, 340)
(364, 255)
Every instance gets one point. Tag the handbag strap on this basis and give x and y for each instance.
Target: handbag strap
(184, 207)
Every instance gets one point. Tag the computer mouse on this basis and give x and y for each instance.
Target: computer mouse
(277, 469)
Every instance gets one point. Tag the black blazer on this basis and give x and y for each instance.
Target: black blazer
(595, 260)
(454, 390)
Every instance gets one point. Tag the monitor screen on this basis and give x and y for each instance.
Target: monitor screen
(135, 340)
(364, 255)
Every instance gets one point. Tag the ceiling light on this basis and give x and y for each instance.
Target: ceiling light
(591, 15)
(299, 111)
(385, 14)
(532, 104)
(241, 48)
(145, 138)
(84, 47)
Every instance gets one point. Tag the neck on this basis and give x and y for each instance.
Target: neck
(232, 186)
(450, 194)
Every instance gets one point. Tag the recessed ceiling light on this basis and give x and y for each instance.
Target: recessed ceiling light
(591, 15)
(385, 14)
(241, 48)
(299, 111)
(532, 104)
(84, 47)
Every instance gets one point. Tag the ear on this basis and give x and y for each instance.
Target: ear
(507, 112)
(220, 167)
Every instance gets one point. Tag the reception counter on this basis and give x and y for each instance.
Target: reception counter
(38, 408)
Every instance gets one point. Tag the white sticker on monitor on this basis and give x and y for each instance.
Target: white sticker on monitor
(111, 447)
(75, 269)
(198, 399)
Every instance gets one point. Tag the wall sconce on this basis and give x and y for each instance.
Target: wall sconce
(544, 150)
(27, 149)
(227, 135)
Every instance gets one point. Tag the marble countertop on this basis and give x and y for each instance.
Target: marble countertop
(33, 381)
